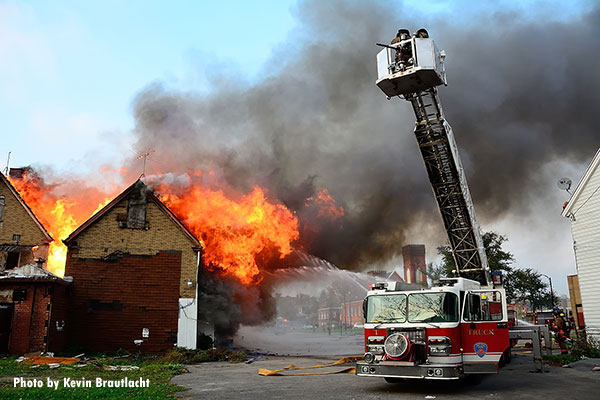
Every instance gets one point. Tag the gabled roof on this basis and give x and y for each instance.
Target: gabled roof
(150, 196)
(394, 276)
(582, 184)
(26, 207)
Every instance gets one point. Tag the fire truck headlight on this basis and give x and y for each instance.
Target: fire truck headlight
(439, 345)
(369, 357)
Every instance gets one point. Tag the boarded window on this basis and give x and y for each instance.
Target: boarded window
(136, 211)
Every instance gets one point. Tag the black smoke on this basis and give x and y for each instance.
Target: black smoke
(522, 93)
(226, 303)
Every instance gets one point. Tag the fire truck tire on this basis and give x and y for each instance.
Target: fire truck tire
(393, 380)
(506, 358)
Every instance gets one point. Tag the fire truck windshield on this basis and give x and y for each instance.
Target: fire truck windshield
(386, 308)
(433, 307)
(419, 307)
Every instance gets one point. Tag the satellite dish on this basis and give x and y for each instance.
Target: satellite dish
(564, 184)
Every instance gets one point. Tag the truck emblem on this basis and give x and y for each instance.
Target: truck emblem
(480, 349)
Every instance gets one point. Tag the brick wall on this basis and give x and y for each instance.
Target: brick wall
(414, 263)
(30, 319)
(57, 333)
(16, 220)
(105, 236)
(113, 301)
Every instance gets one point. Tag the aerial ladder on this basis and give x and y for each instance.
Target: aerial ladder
(411, 69)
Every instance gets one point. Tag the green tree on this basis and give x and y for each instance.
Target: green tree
(528, 285)
(435, 271)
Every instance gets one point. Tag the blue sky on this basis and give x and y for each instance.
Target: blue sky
(70, 70)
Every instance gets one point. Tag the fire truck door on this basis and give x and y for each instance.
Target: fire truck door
(484, 330)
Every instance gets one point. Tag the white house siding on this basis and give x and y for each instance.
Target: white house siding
(187, 325)
(585, 225)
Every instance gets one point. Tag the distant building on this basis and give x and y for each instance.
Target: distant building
(583, 209)
(329, 317)
(415, 267)
(352, 313)
(387, 276)
(134, 267)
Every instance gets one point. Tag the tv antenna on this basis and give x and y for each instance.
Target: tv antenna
(7, 162)
(564, 184)
(144, 156)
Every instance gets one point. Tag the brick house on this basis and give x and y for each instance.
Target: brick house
(23, 239)
(33, 310)
(134, 267)
(329, 317)
(32, 300)
(352, 313)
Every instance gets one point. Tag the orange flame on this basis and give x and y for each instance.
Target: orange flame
(58, 215)
(240, 236)
(235, 234)
(326, 205)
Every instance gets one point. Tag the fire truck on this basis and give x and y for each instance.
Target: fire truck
(459, 326)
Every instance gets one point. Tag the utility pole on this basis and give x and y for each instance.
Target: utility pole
(551, 291)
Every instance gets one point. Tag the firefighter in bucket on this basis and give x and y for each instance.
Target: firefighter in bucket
(403, 56)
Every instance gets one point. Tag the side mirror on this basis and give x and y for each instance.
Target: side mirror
(474, 305)
(364, 306)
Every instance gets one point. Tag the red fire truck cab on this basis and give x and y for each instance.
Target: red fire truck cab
(446, 332)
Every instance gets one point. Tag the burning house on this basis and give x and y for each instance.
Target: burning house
(23, 239)
(32, 300)
(135, 268)
(33, 310)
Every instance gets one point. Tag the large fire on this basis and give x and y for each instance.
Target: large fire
(59, 214)
(239, 231)
(235, 233)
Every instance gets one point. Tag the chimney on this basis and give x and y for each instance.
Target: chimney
(414, 263)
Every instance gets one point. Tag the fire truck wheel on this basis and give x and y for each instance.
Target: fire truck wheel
(506, 358)
(393, 380)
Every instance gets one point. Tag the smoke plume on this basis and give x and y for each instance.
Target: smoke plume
(521, 95)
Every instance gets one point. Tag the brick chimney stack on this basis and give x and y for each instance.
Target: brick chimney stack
(414, 263)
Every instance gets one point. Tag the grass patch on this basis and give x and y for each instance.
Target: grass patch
(157, 370)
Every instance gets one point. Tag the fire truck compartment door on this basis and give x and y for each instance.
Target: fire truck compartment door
(484, 330)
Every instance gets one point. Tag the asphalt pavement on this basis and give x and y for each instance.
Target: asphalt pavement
(224, 380)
